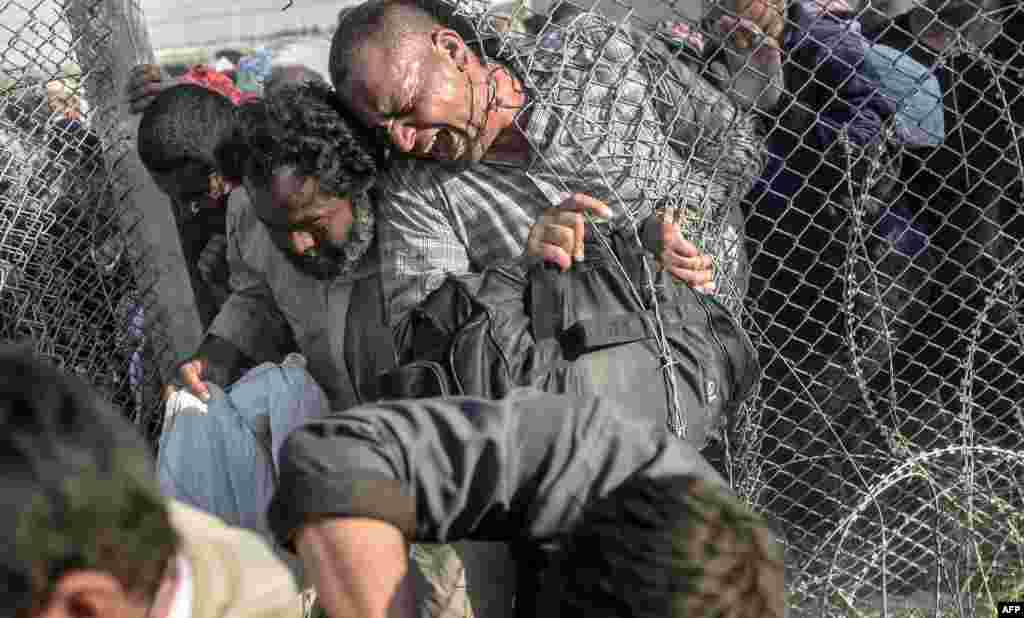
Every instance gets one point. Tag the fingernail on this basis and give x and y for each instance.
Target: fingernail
(204, 397)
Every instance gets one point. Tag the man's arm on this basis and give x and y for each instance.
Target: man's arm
(339, 552)
(249, 319)
(441, 470)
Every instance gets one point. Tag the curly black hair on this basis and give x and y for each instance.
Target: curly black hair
(302, 125)
(182, 128)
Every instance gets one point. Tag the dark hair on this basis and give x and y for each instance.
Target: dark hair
(302, 125)
(77, 488)
(671, 548)
(231, 54)
(182, 127)
(282, 75)
(388, 22)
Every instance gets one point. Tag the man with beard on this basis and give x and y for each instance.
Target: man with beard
(584, 107)
(292, 153)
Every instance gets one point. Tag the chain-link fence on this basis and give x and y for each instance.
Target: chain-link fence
(883, 245)
(75, 278)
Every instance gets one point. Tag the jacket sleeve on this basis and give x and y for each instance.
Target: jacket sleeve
(703, 121)
(249, 319)
(443, 470)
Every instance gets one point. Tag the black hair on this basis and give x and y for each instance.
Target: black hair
(232, 55)
(674, 547)
(77, 487)
(282, 75)
(305, 126)
(182, 127)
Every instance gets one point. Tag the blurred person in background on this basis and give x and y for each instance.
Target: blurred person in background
(85, 532)
(176, 140)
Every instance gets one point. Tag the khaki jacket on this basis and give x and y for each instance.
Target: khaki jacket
(234, 572)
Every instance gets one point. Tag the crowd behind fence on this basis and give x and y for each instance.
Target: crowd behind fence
(887, 436)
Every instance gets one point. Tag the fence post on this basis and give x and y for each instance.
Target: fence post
(110, 37)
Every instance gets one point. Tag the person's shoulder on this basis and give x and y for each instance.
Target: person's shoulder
(233, 562)
(408, 179)
(404, 173)
(244, 228)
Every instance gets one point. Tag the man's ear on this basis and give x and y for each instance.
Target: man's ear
(220, 186)
(452, 46)
(86, 594)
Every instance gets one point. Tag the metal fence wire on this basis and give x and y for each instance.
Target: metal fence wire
(881, 277)
(880, 280)
(73, 281)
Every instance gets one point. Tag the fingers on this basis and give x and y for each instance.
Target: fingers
(578, 202)
(191, 375)
(556, 255)
(558, 236)
(683, 259)
(213, 263)
(167, 391)
(673, 242)
(700, 276)
(554, 238)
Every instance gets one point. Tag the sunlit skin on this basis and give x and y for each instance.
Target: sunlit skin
(197, 193)
(97, 594)
(435, 99)
(438, 105)
(306, 223)
(302, 218)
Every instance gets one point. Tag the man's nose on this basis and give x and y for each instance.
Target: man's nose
(403, 137)
(302, 242)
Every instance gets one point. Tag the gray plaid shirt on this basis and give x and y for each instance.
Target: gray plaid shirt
(607, 116)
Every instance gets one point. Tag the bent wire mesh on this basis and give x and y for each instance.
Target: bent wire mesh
(880, 270)
(855, 176)
(72, 279)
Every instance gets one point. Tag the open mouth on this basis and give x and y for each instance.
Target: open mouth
(445, 146)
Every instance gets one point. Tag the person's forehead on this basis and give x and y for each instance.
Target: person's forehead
(267, 208)
(282, 198)
(383, 73)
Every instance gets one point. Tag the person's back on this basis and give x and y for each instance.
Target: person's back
(547, 471)
(177, 136)
(84, 528)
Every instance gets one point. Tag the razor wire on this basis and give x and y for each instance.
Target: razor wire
(885, 438)
(898, 485)
(74, 283)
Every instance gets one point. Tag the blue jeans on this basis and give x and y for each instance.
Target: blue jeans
(224, 462)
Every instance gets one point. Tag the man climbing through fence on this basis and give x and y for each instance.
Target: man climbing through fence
(638, 523)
